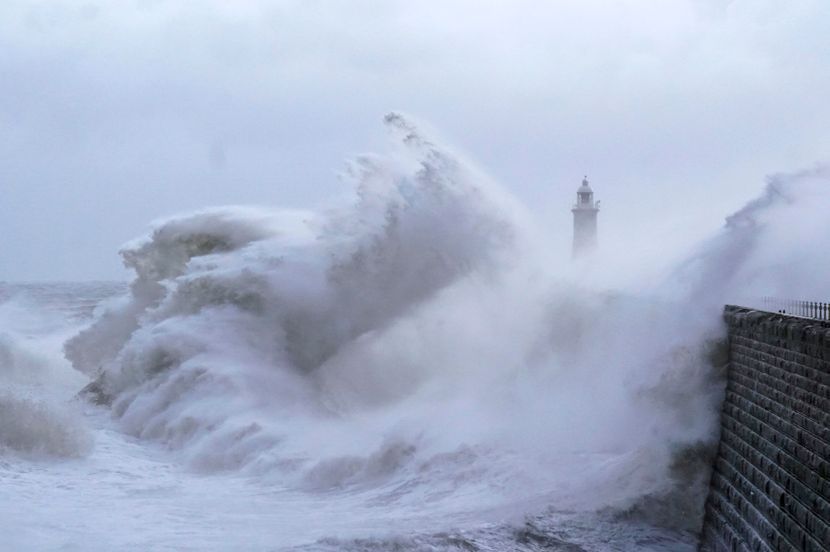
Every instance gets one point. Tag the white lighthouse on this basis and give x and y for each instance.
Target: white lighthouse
(585, 220)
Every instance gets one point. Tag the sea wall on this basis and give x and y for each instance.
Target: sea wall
(770, 487)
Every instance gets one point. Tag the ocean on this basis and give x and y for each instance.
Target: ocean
(407, 372)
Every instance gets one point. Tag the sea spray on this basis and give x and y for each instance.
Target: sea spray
(412, 352)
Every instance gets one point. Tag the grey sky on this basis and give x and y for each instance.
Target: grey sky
(115, 113)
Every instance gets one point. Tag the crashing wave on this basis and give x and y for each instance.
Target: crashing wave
(35, 420)
(239, 317)
(34, 428)
(412, 346)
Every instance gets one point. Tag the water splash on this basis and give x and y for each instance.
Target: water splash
(412, 353)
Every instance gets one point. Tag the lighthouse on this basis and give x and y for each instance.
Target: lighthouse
(585, 220)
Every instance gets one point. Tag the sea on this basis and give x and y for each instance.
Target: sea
(407, 371)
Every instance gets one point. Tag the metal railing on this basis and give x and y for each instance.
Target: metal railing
(794, 307)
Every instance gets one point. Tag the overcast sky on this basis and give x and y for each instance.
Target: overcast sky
(115, 113)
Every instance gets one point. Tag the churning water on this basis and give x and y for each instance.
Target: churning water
(402, 373)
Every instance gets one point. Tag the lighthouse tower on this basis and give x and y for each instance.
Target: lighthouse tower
(585, 220)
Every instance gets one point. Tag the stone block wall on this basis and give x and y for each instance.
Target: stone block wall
(770, 486)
